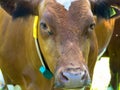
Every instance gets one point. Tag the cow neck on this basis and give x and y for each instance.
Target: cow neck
(44, 68)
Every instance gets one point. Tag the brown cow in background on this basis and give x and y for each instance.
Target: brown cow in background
(113, 51)
(68, 42)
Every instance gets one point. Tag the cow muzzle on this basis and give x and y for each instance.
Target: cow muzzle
(72, 78)
(71, 71)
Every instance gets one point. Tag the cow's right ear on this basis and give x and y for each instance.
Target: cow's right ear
(20, 8)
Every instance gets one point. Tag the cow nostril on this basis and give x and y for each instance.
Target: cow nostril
(64, 77)
(83, 75)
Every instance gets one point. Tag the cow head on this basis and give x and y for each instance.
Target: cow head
(66, 35)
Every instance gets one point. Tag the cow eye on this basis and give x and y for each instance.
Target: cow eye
(92, 26)
(43, 26)
(46, 28)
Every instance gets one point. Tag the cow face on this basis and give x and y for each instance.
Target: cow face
(67, 41)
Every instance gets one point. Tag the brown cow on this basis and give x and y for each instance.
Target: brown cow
(65, 42)
(113, 51)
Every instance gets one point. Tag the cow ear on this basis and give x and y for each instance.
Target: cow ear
(113, 2)
(105, 10)
(20, 8)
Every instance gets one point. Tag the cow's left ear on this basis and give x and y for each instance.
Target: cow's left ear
(20, 8)
(105, 10)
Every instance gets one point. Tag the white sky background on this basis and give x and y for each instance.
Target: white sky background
(65, 3)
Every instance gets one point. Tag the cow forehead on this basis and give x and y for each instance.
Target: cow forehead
(65, 3)
(80, 10)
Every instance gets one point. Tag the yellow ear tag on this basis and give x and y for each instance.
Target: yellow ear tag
(35, 27)
(112, 12)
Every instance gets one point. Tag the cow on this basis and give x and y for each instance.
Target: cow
(53, 44)
(113, 51)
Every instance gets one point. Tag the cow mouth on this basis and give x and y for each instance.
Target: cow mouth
(71, 87)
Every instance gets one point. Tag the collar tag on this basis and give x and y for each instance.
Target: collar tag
(46, 73)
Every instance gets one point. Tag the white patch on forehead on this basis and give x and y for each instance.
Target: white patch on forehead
(65, 3)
